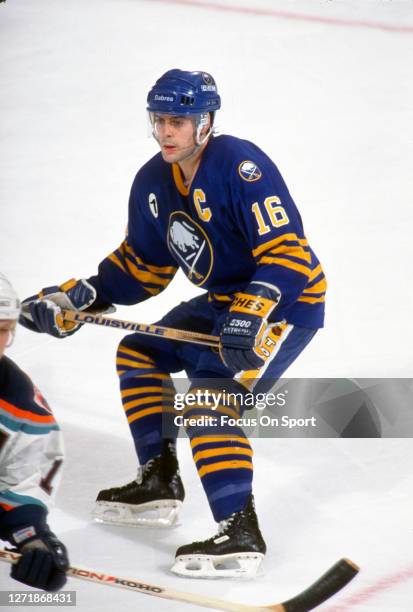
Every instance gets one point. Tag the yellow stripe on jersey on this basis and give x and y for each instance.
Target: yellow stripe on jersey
(113, 257)
(150, 267)
(317, 270)
(319, 287)
(266, 246)
(145, 276)
(294, 251)
(128, 261)
(286, 263)
(312, 300)
(311, 295)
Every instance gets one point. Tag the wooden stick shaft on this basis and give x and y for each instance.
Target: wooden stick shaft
(322, 589)
(141, 328)
(150, 589)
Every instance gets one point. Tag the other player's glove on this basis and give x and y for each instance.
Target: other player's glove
(43, 563)
(43, 312)
(44, 560)
(245, 325)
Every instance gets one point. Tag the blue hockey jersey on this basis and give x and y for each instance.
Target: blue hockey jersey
(235, 223)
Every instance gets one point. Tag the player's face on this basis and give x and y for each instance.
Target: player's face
(6, 334)
(176, 136)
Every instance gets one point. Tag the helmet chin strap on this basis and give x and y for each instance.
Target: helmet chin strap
(202, 122)
(199, 126)
(198, 145)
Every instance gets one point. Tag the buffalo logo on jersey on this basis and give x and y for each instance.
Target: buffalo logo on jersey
(249, 171)
(153, 204)
(190, 246)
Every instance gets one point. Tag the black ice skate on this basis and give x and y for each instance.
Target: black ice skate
(236, 551)
(154, 499)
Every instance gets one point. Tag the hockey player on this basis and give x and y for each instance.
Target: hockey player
(218, 208)
(30, 457)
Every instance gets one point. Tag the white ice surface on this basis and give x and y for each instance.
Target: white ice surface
(333, 106)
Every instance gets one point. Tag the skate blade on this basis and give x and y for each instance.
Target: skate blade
(162, 513)
(239, 565)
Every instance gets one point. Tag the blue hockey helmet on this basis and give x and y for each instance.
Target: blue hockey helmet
(181, 92)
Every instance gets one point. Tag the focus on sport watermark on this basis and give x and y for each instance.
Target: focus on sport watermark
(287, 408)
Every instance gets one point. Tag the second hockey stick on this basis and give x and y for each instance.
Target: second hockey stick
(141, 328)
(325, 587)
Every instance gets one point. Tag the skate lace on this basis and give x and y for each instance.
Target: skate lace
(222, 528)
(142, 470)
(225, 524)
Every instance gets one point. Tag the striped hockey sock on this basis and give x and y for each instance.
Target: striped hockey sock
(223, 457)
(147, 395)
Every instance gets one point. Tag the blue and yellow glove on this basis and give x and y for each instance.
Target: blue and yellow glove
(245, 325)
(43, 312)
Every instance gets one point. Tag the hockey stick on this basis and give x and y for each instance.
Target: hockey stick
(141, 328)
(325, 587)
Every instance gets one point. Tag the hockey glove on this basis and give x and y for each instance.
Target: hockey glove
(43, 563)
(44, 559)
(245, 325)
(43, 312)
